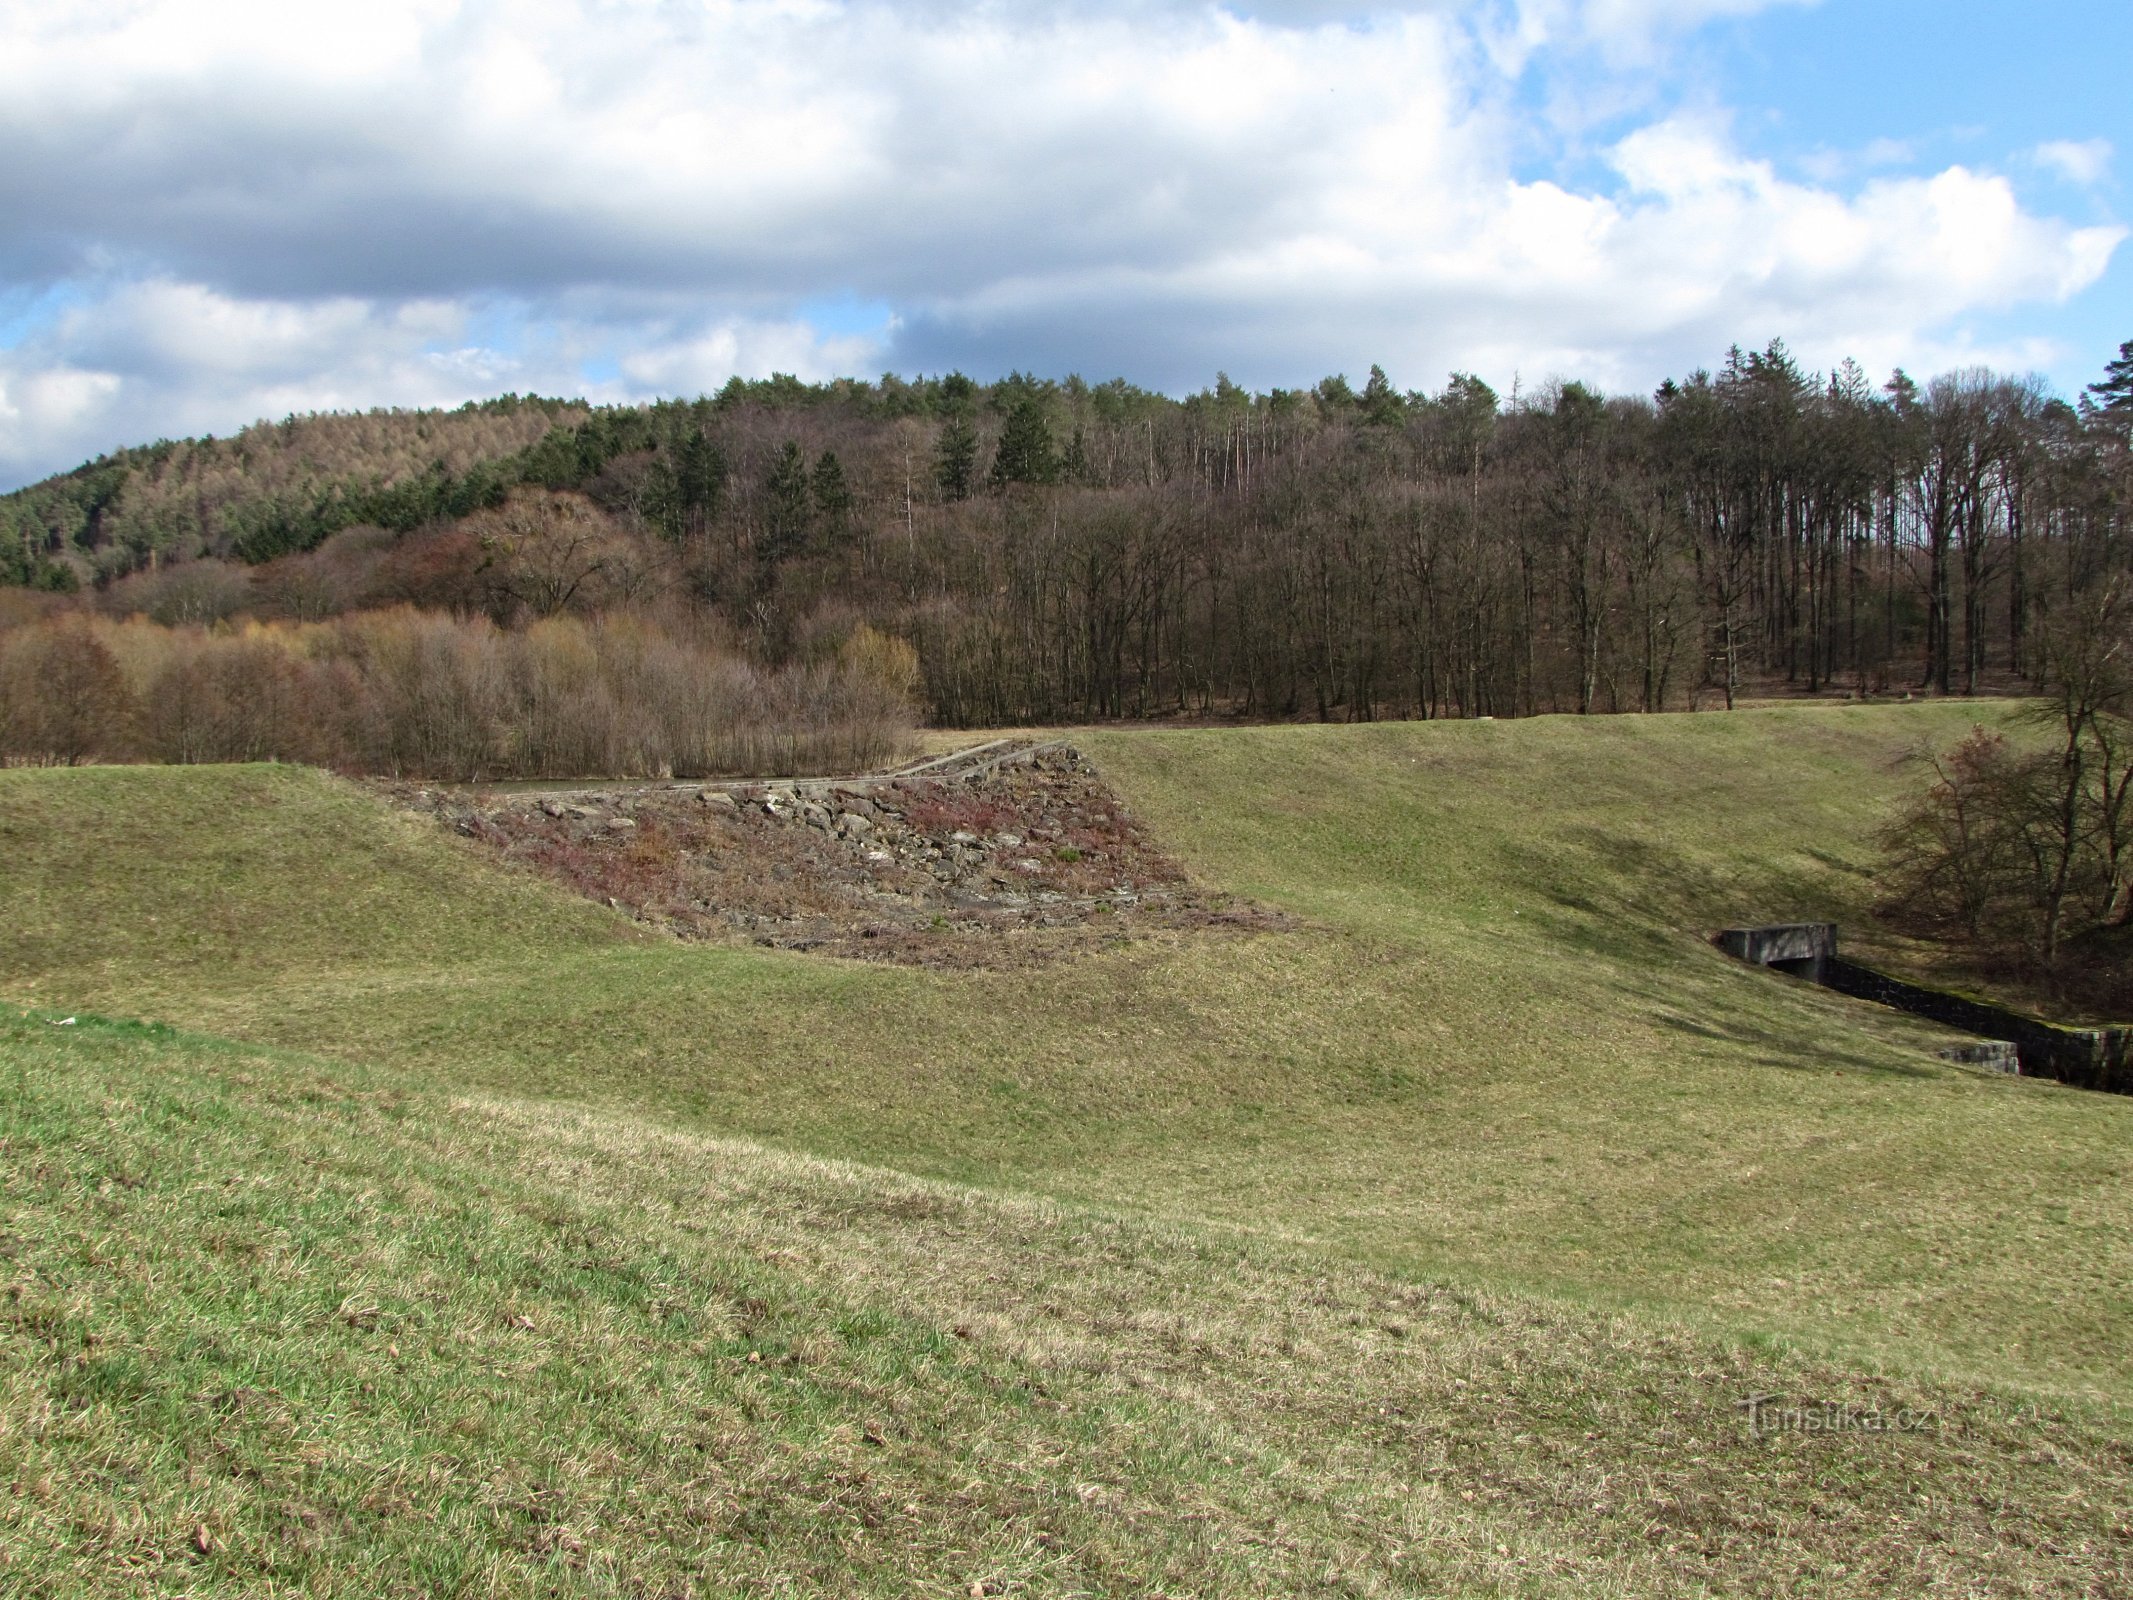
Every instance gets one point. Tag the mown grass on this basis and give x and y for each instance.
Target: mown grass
(271, 1324)
(1502, 1050)
(1501, 1057)
(222, 876)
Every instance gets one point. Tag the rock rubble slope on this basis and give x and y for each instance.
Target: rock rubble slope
(1025, 861)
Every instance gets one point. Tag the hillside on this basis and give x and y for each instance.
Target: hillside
(278, 1323)
(1066, 551)
(274, 486)
(1266, 1251)
(1502, 1046)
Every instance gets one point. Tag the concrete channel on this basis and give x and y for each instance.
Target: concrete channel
(2087, 1058)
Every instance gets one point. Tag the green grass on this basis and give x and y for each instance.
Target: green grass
(238, 875)
(1501, 1058)
(270, 1325)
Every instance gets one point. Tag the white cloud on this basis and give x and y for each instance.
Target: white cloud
(46, 408)
(417, 201)
(702, 362)
(159, 359)
(1604, 17)
(2086, 162)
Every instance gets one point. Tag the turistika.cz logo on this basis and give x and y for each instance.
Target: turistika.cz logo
(1769, 1414)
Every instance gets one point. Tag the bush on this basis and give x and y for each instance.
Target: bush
(2016, 854)
(199, 593)
(63, 699)
(425, 694)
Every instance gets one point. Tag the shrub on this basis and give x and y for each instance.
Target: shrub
(424, 694)
(63, 698)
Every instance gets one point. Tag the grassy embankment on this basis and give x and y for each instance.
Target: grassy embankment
(1502, 1061)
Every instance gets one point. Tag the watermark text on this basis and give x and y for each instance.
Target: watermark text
(1768, 1414)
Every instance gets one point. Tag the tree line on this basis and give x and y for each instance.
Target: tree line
(423, 694)
(1065, 551)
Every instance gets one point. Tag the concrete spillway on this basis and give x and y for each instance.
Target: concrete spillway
(2088, 1058)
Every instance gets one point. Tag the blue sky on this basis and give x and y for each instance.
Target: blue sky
(1948, 81)
(218, 212)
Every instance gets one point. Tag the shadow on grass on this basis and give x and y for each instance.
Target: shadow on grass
(1780, 1048)
(1652, 889)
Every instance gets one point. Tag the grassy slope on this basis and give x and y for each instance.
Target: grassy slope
(1505, 1053)
(270, 1325)
(1503, 1060)
(213, 877)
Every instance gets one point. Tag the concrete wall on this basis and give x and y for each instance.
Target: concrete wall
(2089, 1058)
(1786, 944)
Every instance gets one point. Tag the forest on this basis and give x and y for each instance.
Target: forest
(1058, 551)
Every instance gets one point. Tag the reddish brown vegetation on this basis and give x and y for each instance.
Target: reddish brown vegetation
(191, 496)
(2018, 859)
(539, 554)
(419, 693)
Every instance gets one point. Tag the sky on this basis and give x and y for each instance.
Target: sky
(216, 212)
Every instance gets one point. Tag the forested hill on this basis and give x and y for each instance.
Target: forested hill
(1065, 550)
(273, 487)
(277, 488)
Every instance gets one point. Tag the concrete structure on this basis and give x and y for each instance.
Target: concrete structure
(1803, 949)
(2088, 1058)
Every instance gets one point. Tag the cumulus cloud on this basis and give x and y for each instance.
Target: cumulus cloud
(252, 209)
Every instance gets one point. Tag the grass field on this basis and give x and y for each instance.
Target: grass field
(1267, 1253)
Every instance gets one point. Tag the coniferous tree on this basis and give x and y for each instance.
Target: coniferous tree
(1335, 397)
(785, 507)
(1382, 405)
(687, 486)
(2114, 395)
(955, 457)
(832, 499)
(1025, 454)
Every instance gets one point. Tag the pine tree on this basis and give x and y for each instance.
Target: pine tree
(955, 459)
(1335, 397)
(1074, 466)
(1382, 405)
(2114, 395)
(832, 499)
(785, 507)
(1025, 454)
(685, 487)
